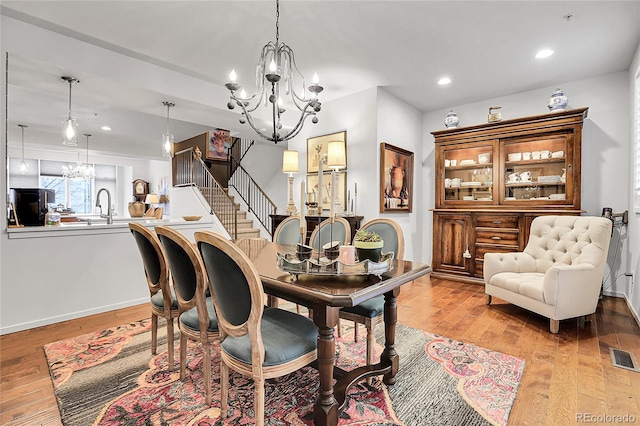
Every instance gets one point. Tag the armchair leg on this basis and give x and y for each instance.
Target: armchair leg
(554, 325)
(488, 299)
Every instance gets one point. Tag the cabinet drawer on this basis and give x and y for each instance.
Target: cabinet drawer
(497, 237)
(497, 221)
(482, 249)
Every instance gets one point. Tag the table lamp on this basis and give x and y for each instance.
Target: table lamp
(290, 165)
(336, 160)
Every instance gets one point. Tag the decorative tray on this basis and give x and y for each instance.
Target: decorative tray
(290, 263)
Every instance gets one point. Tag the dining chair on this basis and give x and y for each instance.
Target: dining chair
(162, 297)
(198, 320)
(288, 231)
(256, 341)
(340, 230)
(370, 313)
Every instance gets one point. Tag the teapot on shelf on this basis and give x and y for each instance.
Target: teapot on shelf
(514, 177)
(526, 176)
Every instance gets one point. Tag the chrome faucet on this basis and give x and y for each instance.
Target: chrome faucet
(109, 214)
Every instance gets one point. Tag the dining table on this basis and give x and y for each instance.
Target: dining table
(325, 295)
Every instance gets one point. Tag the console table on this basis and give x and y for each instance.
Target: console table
(313, 221)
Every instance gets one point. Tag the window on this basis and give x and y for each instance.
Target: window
(73, 193)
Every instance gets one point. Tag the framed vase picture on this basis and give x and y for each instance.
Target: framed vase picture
(218, 144)
(317, 148)
(396, 179)
(313, 191)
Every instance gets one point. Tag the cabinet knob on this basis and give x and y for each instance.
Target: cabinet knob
(496, 238)
(497, 222)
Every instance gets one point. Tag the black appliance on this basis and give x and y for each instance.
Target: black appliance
(31, 204)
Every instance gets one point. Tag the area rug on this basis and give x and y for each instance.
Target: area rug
(111, 378)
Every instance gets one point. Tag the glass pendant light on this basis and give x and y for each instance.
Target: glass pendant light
(24, 168)
(70, 124)
(88, 170)
(167, 138)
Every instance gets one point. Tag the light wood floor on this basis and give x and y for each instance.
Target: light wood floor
(565, 374)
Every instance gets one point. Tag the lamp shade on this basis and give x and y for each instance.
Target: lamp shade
(336, 155)
(290, 161)
(151, 199)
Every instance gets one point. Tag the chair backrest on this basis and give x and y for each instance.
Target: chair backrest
(569, 240)
(235, 286)
(187, 271)
(288, 231)
(340, 230)
(391, 234)
(155, 265)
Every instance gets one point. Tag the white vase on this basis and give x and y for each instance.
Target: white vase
(451, 120)
(558, 101)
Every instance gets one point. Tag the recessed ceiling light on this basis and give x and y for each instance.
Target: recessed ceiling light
(105, 128)
(544, 53)
(444, 81)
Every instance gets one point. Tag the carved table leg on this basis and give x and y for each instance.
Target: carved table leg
(326, 408)
(389, 355)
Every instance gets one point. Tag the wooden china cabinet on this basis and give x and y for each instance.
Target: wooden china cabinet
(493, 179)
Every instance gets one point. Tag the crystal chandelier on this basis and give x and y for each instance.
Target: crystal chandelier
(167, 138)
(80, 171)
(277, 65)
(24, 167)
(70, 124)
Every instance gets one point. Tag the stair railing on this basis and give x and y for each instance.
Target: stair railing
(258, 202)
(190, 170)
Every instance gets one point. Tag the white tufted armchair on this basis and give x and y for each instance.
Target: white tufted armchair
(560, 272)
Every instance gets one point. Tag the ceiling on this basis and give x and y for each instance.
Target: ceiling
(132, 55)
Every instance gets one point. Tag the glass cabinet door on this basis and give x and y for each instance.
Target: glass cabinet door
(468, 173)
(537, 170)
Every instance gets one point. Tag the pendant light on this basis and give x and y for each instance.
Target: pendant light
(89, 172)
(70, 124)
(167, 138)
(24, 168)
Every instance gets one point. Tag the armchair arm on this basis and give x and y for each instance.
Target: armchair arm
(573, 289)
(495, 263)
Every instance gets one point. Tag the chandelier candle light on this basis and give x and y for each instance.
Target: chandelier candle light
(277, 65)
(290, 166)
(167, 138)
(70, 124)
(24, 168)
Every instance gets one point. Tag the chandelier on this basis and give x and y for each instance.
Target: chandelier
(80, 171)
(277, 65)
(70, 124)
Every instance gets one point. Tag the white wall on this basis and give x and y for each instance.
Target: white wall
(605, 150)
(632, 257)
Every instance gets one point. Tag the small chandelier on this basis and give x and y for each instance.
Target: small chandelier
(24, 167)
(70, 124)
(80, 171)
(277, 65)
(167, 138)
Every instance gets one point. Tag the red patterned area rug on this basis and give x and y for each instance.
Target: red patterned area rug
(111, 378)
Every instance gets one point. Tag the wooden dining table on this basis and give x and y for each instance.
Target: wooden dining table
(325, 295)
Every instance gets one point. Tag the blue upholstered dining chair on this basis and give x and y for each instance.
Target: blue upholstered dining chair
(198, 319)
(326, 232)
(256, 341)
(162, 297)
(370, 313)
(288, 231)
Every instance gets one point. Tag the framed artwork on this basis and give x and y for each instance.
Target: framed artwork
(396, 179)
(312, 188)
(218, 144)
(317, 148)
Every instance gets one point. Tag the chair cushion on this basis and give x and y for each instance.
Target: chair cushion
(370, 309)
(158, 300)
(189, 318)
(528, 284)
(286, 336)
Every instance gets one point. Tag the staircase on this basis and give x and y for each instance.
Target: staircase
(190, 170)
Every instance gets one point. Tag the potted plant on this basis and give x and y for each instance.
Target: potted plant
(368, 245)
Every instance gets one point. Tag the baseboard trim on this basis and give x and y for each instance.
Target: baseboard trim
(634, 314)
(74, 315)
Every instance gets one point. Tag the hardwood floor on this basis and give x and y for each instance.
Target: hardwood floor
(565, 374)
